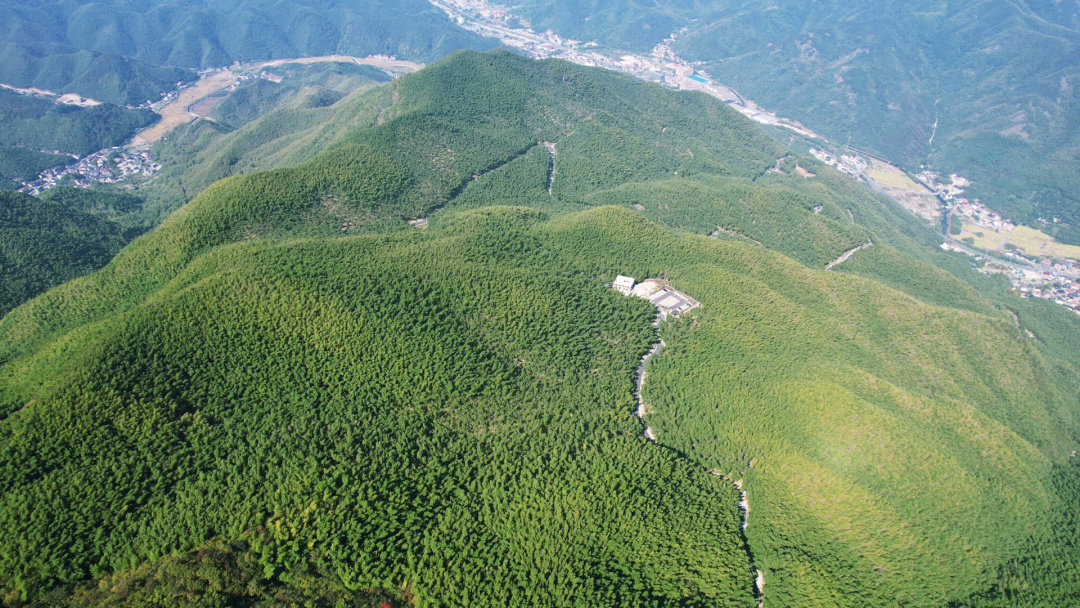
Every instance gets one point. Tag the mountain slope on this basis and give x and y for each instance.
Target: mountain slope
(286, 367)
(20, 164)
(260, 125)
(427, 442)
(828, 396)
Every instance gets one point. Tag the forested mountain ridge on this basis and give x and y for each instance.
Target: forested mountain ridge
(449, 125)
(987, 89)
(288, 378)
(39, 124)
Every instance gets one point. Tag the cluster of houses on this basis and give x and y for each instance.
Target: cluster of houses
(978, 213)
(1057, 281)
(849, 164)
(246, 77)
(954, 188)
(165, 99)
(972, 211)
(1049, 279)
(669, 301)
(1063, 291)
(104, 167)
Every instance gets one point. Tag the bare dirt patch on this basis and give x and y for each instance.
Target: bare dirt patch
(190, 103)
(72, 99)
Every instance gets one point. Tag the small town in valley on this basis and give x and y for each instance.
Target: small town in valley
(188, 102)
(1049, 279)
(1035, 264)
(661, 65)
(951, 193)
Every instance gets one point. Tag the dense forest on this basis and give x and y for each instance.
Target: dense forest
(44, 243)
(285, 393)
(479, 455)
(118, 207)
(63, 69)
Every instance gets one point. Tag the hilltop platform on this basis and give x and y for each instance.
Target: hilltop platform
(669, 301)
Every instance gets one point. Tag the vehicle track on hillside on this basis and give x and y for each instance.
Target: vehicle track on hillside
(847, 255)
(650, 436)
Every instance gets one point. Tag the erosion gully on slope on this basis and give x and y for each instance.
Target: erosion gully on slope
(650, 435)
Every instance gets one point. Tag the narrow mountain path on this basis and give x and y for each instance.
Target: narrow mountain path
(456, 192)
(642, 409)
(650, 435)
(847, 254)
(550, 145)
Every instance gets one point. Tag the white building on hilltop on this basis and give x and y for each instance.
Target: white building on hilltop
(667, 300)
(645, 289)
(623, 284)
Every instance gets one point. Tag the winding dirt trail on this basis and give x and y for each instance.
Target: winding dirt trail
(642, 409)
(650, 435)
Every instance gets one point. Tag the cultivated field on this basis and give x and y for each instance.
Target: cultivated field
(176, 113)
(203, 107)
(1026, 239)
(914, 196)
(892, 177)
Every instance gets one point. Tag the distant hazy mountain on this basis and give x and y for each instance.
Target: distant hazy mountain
(999, 77)
(125, 51)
